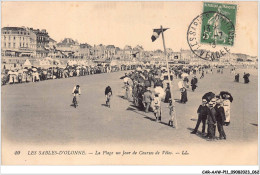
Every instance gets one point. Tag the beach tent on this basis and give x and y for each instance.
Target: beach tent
(27, 63)
(114, 63)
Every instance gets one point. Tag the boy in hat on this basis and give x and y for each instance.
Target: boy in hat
(172, 112)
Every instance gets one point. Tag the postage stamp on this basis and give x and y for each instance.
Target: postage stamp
(218, 27)
(211, 34)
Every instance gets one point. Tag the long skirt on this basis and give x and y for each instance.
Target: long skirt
(167, 96)
(184, 97)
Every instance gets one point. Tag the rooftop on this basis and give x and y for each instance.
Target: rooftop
(13, 28)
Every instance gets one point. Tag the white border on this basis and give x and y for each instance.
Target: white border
(126, 169)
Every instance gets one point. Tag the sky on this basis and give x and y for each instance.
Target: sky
(126, 23)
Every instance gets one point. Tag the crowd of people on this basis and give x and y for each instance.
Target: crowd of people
(36, 74)
(147, 86)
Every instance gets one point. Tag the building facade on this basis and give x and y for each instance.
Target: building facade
(42, 42)
(16, 42)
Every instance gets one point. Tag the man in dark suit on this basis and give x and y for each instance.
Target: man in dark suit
(220, 118)
(211, 119)
(194, 82)
(202, 117)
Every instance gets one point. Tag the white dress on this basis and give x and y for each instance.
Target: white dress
(226, 106)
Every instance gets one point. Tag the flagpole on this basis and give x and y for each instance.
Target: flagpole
(169, 78)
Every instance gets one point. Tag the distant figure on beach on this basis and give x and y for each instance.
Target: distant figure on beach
(194, 82)
(246, 78)
(202, 75)
(237, 78)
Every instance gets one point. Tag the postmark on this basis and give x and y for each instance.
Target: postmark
(211, 34)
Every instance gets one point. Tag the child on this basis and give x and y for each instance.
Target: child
(172, 112)
(157, 107)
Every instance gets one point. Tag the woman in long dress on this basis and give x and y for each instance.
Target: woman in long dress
(226, 106)
(168, 94)
(184, 97)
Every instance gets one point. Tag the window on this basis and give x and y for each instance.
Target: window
(14, 45)
(18, 32)
(20, 44)
(21, 32)
(26, 44)
(23, 44)
(9, 45)
(14, 37)
(5, 45)
(4, 37)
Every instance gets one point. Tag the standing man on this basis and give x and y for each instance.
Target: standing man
(147, 99)
(220, 117)
(202, 117)
(211, 119)
(194, 82)
(202, 74)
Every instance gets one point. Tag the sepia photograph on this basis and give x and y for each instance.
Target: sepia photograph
(129, 83)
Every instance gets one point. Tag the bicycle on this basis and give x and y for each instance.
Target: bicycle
(74, 101)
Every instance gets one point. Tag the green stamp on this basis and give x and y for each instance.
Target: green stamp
(218, 24)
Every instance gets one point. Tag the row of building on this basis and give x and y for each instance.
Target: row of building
(36, 43)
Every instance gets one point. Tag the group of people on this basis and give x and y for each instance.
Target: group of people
(237, 75)
(215, 111)
(34, 74)
(146, 87)
(245, 76)
(140, 87)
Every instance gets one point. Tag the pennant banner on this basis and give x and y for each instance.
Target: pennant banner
(156, 33)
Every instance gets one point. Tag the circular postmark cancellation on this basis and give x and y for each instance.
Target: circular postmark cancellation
(210, 35)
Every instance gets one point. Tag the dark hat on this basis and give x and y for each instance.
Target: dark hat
(208, 96)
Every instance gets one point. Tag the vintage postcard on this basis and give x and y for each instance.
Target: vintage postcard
(129, 83)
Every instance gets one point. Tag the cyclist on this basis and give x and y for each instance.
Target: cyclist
(75, 92)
